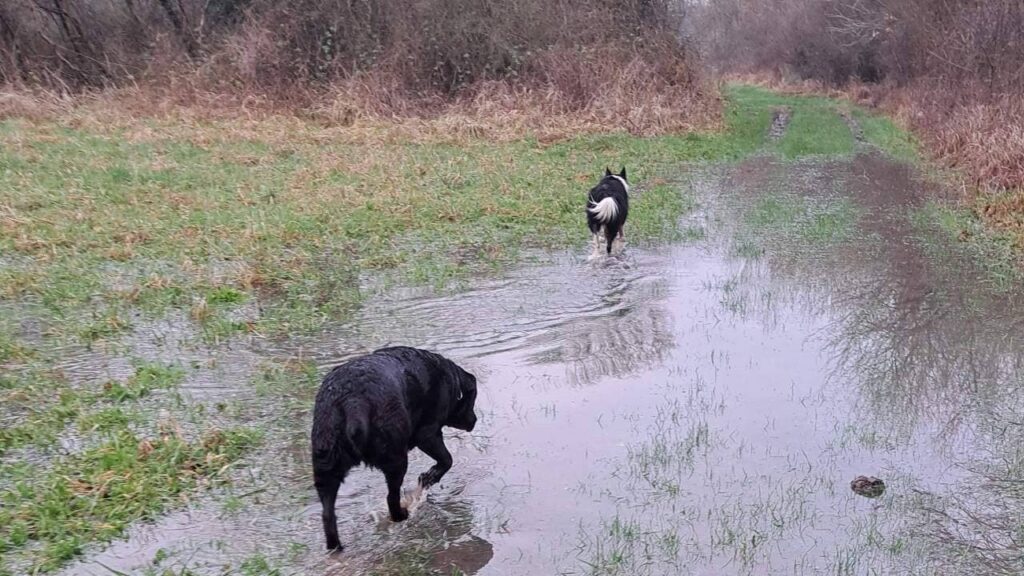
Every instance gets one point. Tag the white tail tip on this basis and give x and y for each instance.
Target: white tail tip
(605, 210)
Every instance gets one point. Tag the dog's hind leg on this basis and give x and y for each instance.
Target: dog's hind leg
(596, 251)
(395, 474)
(434, 447)
(327, 489)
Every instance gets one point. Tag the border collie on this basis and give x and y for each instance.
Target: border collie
(607, 208)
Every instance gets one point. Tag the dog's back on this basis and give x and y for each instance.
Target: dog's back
(359, 410)
(608, 206)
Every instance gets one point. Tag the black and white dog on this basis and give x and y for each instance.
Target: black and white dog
(607, 208)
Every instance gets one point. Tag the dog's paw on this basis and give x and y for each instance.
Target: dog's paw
(334, 547)
(403, 514)
(427, 480)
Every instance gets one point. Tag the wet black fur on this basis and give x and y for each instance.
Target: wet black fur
(609, 187)
(375, 409)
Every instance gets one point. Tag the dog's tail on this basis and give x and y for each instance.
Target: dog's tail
(606, 210)
(337, 439)
(355, 435)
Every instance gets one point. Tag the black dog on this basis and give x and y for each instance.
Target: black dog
(374, 410)
(607, 208)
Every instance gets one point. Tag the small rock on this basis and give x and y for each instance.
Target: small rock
(867, 486)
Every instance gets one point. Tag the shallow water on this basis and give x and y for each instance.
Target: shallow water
(693, 409)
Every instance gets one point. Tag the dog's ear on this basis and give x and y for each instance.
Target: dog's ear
(468, 385)
(465, 383)
(623, 173)
(462, 413)
(607, 172)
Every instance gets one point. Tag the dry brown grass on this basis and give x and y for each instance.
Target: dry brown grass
(378, 71)
(629, 100)
(986, 140)
(32, 106)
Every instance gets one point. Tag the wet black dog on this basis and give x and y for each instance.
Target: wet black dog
(375, 409)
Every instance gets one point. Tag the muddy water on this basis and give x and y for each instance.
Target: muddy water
(685, 410)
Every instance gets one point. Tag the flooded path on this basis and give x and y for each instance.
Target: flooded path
(694, 409)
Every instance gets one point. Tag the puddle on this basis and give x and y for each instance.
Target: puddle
(687, 410)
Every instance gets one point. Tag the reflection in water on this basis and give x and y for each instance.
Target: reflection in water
(613, 346)
(466, 556)
(439, 535)
(918, 334)
(635, 334)
(917, 328)
(978, 526)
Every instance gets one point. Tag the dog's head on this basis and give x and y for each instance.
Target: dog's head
(621, 176)
(462, 414)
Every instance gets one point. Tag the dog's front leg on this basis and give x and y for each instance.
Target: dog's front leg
(395, 474)
(434, 447)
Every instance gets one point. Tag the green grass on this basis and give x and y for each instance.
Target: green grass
(993, 254)
(815, 127)
(48, 516)
(882, 132)
(294, 219)
(42, 403)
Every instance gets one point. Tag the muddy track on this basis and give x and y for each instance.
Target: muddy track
(780, 122)
(851, 122)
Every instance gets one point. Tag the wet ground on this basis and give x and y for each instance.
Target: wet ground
(691, 409)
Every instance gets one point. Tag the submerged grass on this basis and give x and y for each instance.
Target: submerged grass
(793, 223)
(39, 404)
(993, 252)
(55, 502)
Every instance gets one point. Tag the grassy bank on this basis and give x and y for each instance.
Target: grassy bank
(152, 215)
(268, 227)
